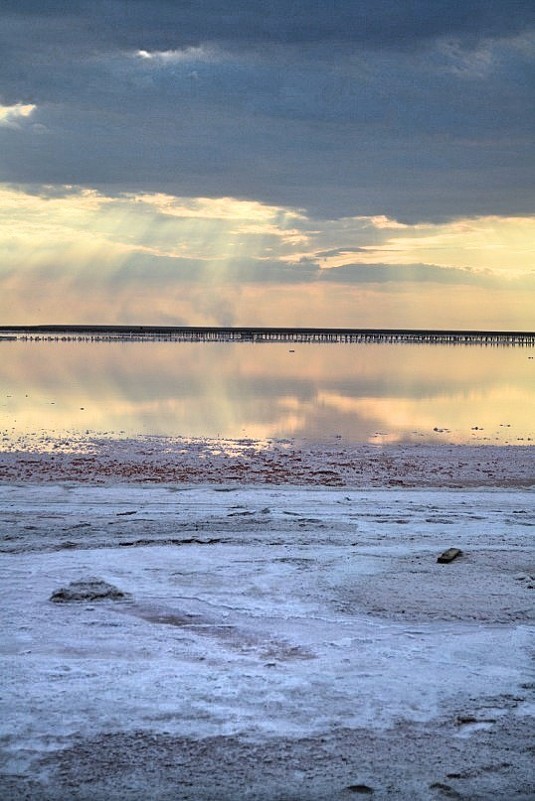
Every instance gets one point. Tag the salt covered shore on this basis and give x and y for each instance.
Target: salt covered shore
(257, 462)
(270, 631)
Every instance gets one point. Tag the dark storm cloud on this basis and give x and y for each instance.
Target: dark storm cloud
(411, 109)
(167, 23)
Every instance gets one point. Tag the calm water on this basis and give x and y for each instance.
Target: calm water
(357, 393)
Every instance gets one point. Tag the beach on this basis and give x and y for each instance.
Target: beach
(202, 619)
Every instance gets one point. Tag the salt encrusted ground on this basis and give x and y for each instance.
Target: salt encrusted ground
(171, 459)
(276, 641)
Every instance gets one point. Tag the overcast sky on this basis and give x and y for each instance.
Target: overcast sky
(343, 162)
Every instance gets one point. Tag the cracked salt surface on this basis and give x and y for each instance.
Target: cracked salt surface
(308, 645)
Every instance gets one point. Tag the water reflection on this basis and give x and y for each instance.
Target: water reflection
(359, 393)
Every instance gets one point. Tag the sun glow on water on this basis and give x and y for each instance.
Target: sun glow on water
(358, 393)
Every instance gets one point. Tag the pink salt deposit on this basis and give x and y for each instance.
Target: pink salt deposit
(256, 462)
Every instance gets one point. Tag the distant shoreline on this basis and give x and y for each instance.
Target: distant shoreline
(268, 334)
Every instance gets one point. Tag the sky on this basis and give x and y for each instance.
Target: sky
(360, 163)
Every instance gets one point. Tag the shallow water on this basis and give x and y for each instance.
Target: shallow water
(350, 392)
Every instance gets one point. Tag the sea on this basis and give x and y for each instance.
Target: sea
(318, 392)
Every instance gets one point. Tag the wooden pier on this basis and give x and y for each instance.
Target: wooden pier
(141, 333)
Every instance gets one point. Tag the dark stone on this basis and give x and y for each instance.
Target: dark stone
(363, 789)
(449, 555)
(91, 589)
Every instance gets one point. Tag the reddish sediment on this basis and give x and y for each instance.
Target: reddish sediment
(175, 460)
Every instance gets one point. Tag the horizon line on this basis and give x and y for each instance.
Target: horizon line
(264, 334)
(150, 328)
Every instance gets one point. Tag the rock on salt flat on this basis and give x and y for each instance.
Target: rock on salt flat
(89, 589)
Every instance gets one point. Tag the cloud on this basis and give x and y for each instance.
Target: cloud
(233, 231)
(416, 110)
(392, 23)
(73, 254)
(411, 273)
(489, 246)
(159, 239)
(10, 116)
(185, 55)
(353, 152)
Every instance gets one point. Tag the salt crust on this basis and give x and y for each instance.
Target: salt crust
(276, 642)
(178, 460)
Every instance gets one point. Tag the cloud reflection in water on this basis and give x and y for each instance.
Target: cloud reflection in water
(358, 393)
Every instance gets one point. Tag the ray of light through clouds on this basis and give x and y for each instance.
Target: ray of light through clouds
(358, 164)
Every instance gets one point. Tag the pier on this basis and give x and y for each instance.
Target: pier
(141, 333)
